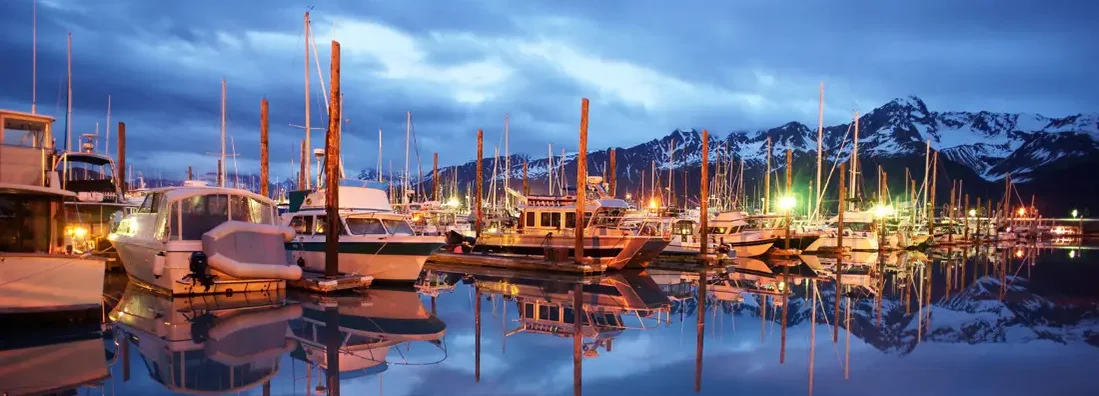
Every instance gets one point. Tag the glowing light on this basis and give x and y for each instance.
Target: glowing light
(492, 229)
(787, 203)
(1075, 213)
(1071, 254)
(652, 203)
(80, 232)
(1019, 253)
(629, 196)
(883, 210)
(972, 212)
(453, 202)
(1021, 211)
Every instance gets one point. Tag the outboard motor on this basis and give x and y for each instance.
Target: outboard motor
(200, 270)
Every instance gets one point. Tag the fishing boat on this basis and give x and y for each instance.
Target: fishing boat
(99, 205)
(732, 232)
(859, 234)
(374, 240)
(364, 328)
(548, 224)
(218, 344)
(196, 240)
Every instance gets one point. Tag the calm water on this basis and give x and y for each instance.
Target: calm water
(1000, 322)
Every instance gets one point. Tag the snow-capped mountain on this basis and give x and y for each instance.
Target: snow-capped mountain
(979, 147)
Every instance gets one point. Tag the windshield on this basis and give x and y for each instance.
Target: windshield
(398, 227)
(365, 226)
(607, 218)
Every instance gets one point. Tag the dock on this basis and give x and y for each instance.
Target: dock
(515, 263)
(317, 282)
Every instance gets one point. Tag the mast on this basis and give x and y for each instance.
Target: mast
(308, 145)
(379, 171)
(407, 141)
(107, 140)
(221, 167)
(34, 60)
(671, 172)
(855, 163)
(507, 165)
(820, 148)
(767, 181)
(549, 169)
(926, 175)
(69, 109)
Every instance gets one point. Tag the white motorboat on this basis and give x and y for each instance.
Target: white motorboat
(198, 240)
(374, 240)
(859, 234)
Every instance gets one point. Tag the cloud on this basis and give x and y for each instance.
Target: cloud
(461, 66)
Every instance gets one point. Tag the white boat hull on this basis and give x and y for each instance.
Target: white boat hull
(853, 242)
(387, 259)
(138, 258)
(37, 283)
(614, 251)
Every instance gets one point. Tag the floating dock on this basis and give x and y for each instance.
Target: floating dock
(317, 282)
(515, 263)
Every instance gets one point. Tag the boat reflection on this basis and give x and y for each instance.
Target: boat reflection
(208, 344)
(56, 363)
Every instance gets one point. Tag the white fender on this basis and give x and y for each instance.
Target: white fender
(241, 270)
(249, 270)
(158, 264)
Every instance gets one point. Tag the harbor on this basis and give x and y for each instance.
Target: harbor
(789, 260)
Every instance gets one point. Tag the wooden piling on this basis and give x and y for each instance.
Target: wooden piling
(332, 170)
(122, 156)
(703, 197)
(577, 338)
(526, 184)
(333, 338)
(785, 310)
(934, 186)
(477, 329)
(839, 249)
(480, 182)
(303, 163)
(264, 155)
(977, 230)
(435, 177)
(581, 180)
(219, 176)
(613, 174)
(965, 214)
(700, 336)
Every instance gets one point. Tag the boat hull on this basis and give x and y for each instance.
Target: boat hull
(46, 284)
(396, 259)
(853, 242)
(138, 258)
(614, 251)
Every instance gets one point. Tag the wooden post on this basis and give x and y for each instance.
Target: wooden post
(789, 185)
(477, 325)
(934, 186)
(219, 179)
(614, 172)
(333, 338)
(190, 174)
(301, 173)
(953, 206)
(435, 177)
(701, 313)
(581, 180)
(332, 170)
(977, 231)
(526, 184)
(122, 156)
(839, 251)
(480, 179)
(965, 214)
(264, 155)
(703, 197)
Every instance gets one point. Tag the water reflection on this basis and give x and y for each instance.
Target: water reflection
(965, 320)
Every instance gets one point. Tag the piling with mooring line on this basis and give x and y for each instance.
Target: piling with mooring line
(703, 198)
(581, 179)
(435, 177)
(613, 174)
(332, 171)
(122, 156)
(264, 156)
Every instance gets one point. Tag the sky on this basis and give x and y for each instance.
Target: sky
(648, 67)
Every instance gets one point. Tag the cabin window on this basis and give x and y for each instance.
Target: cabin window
(149, 205)
(167, 223)
(249, 210)
(398, 227)
(545, 219)
(683, 228)
(718, 230)
(302, 225)
(607, 218)
(322, 225)
(365, 226)
(24, 224)
(202, 213)
(570, 220)
(530, 219)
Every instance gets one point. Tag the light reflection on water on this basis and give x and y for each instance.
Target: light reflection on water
(961, 321)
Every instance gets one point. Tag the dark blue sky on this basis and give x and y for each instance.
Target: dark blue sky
(647, 66)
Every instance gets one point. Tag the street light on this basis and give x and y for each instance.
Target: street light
(881, 212)
(973, 213)
(1075, 213)
(787, 204)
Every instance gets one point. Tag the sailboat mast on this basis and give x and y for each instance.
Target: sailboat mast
(407, 141)
(549, 168)
(379, 171)
(507, 165)
(855, 161)
(107, 140)
(671, 173)
(926, 174)
(69, 109)
(34, 59)
(308, 144)
(767, 181)
(820, 147)
(221, 168)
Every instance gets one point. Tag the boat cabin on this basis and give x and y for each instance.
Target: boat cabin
(186, 213)
(32, 219)
(26, 148)
(551, 213)
(363, 207)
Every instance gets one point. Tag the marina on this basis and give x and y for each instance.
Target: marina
(746, 261)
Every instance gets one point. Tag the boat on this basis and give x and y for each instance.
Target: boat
(40, 275)
(732, 232)
(364, 328)
(200, 240)
(218, 344)
(859, 233)
(99, 205)
(547, 227)
(374, 240)
(59, 363)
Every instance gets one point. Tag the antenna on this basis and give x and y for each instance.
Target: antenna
(34, 57)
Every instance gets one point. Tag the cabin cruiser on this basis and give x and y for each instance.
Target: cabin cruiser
(363, 328)
(374, 240)
(548, 224)
(733, 233)
(198, 240)
(436, 218)
(99, 204)
(859, 233)
(218, 344)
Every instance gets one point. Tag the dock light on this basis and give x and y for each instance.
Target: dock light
(787, 203)
(883, 210)
(80, 232)
(1071, 254)
(1019, 253)
(1022, 211)
(629, 196)
(1075, 213)
(452, 202)
(973, 213)
(652, 203)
